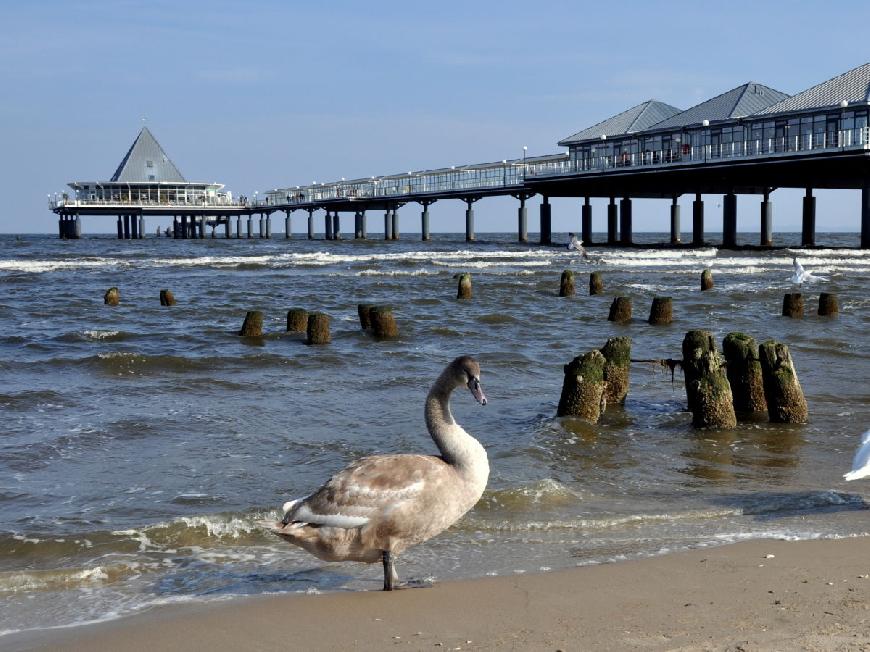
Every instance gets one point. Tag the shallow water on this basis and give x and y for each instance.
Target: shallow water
(140, 444)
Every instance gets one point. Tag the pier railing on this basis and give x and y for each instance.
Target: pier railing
(687, 154)
(513, 174)
(55, 203)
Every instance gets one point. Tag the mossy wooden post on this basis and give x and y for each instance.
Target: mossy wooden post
(620, 310)
(744, 373)
(793, 305)
(112, 297)
(566, 284)
(661, 311)
(167, 298)
(782, 390)
(464, 289)
(383, 322)
(253, 324)
(617, 356)
(707, 280)
(318, 328)
(364, 312)
(583, 387)
(828, 305)
(297, 320)
(596, 283)
(707, 387)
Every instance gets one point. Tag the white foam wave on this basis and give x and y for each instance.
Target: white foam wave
(41, 266)
(100, 335)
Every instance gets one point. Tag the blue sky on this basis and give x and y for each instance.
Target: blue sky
(265, 94)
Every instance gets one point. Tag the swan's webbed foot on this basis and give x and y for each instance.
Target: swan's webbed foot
(391, 579)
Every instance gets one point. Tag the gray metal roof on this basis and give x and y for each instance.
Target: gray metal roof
(637, 118)
(851, 86)
(744, 100)
(146, 161)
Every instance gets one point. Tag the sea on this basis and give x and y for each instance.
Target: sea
(140, 445)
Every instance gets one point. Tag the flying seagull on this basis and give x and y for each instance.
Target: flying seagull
(802, 276)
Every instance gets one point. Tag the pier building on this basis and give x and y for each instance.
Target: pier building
(752, 139)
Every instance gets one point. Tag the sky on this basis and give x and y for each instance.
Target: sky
(268, 94)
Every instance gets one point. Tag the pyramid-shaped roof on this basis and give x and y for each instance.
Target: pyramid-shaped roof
(744, 100)
(637, 118)
(146, 161)
(852, 86)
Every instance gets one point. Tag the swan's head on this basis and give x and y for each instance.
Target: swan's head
(465, 370)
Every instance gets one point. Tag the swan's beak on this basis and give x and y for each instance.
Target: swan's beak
(477, 391)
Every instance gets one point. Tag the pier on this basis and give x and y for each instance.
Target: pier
(751, 139)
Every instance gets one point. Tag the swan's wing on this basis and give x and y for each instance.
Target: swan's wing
(860, 463)
(370, 487)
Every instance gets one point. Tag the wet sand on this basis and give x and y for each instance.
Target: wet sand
(758, 595)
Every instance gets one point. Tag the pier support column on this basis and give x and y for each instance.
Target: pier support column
(522, 221)
(311, 224)
(388, 225)
(469, 219)
(288, 226)
(327, 226)
(625, 232)
(424, 223)
(262, 226)
(357, 229)
(250, 226)
(134, 228)
(238, 226)
(362, 225)
(141, 227)
(395, 233)
(675, 221)
(77, 227)
(336, 226)
(546, 222)
(766, 220)
(126, 227)
(201, 221)
(865, 215)
(60, 227)
(612, 224)
(228, 228)
(808, 225)
(120, 228)
(268, 219)
(729, 220)
(174, 227)
(698, 220)
(586, 222)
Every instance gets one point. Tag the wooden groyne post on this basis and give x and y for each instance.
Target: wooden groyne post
(707, 387)
(583, 387)
(785, 398)
(617, 366)
(744, 373)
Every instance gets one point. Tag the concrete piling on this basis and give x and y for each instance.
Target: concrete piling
(829, 306)
(596, 283)
(707, 387)
(620, 310)
(661, 311)
(566, 284)
(318, 328)
(253, 324)
(782, 390)
(383, 323)
(617, 356)
(112, 297)
(365, 319)
(167, 298)
(297, 320)
(464, 288)
(583, 387)
(706, 280)
(793, 305)
(744, 373)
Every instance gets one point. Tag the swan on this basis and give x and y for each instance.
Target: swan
(802, 276)
(861, 461)
(381, 505)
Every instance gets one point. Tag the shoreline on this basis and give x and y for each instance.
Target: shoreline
(759, 594)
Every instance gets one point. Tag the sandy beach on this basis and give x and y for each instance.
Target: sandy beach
(758, 595)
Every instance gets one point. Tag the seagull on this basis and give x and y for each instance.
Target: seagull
(861, 462)
(802, 276)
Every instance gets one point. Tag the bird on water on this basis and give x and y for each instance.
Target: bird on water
(380, 505)
(861, 461)
(800, 275)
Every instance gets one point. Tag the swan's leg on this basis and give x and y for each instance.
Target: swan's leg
(390, 577)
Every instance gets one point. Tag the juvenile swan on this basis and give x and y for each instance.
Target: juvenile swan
(380, 505)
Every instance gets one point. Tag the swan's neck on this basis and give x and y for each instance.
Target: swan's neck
(458, 448)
